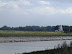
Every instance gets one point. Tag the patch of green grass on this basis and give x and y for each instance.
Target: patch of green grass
(32, 33)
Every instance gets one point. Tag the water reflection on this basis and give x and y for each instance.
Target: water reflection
(19, 47)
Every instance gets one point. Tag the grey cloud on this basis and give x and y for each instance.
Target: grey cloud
(8, 0)
(11, 18)
(65, 1)
(45, 0)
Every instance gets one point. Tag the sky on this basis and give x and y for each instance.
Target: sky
(15, 13)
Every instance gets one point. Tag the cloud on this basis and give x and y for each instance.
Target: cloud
(44, 2)
(42, 10)
(47, 10)
(64, 1)
(25, 2)
(2, 4)
(18, 3)
(19, 7)
(65, 11)
(15, 6)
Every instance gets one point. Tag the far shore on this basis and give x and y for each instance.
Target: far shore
(33, 38)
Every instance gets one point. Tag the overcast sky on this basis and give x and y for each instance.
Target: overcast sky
(35, 12)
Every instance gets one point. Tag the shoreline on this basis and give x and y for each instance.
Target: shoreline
(33, 38)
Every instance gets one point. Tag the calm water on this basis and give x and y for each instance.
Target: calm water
(19, 47)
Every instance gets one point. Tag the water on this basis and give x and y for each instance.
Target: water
(20, 47)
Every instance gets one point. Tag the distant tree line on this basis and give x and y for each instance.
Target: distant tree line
(29, 28)
(66, 28)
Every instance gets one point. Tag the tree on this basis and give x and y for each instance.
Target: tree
(43, 28)
(5, 28)
(56, 27)
(66, 28)
(70, 28)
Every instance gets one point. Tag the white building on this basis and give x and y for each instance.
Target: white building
(60, 29)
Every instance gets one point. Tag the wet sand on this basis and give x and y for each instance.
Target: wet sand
(33, 38)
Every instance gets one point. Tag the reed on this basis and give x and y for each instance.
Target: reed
(32, 33)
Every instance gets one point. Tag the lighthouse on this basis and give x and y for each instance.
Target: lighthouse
(60, 28)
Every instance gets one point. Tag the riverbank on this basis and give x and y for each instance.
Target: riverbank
(28, 36)
(33, 38)
(60, 49)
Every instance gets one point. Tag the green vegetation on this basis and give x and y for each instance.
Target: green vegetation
(63, 49)
(32, 33)
(65, 28)
(29, 28)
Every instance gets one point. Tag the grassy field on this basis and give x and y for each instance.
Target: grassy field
(32, 33)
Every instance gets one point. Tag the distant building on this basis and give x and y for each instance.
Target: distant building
(60, 29)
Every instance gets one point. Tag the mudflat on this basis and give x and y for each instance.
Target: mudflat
(33, 38)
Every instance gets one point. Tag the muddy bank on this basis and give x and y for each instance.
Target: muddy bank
(33, 38)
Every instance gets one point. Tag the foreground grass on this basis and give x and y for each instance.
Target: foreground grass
(64, 49)
(32, 33)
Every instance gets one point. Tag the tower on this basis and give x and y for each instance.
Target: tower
(60, 28)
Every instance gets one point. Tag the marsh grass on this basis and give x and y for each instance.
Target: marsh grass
(32, 33)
